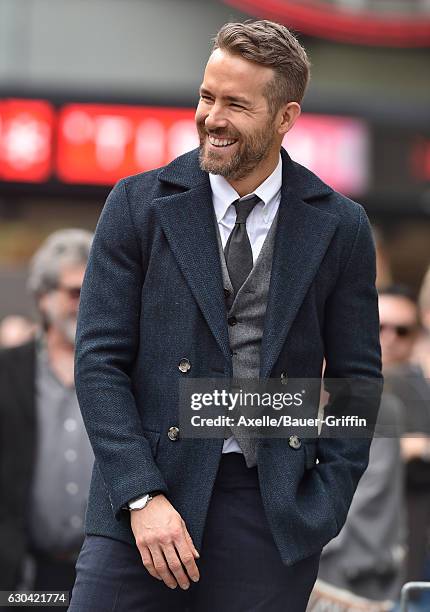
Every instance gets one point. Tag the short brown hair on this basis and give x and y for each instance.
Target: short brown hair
(269, 44)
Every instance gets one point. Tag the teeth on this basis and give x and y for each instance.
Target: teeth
(220, 142)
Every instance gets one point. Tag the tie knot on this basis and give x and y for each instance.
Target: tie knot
(244, 207)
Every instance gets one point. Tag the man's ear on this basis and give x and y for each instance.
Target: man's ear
(287, 116)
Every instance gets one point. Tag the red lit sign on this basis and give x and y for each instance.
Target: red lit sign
(26, 131)
(99, 144)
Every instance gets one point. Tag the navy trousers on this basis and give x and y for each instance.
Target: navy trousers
(240, 567)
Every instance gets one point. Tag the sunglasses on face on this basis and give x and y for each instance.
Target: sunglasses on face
(73, 292)
(402, 331)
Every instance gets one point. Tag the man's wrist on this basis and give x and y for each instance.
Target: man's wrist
(138, 503)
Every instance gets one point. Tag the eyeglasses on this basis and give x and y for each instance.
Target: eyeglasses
(402, 331)
(73, 292)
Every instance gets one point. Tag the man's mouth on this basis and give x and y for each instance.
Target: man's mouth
(221, 142)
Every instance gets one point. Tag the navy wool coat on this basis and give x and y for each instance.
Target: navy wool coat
(153, 295)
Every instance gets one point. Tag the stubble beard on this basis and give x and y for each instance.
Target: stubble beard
(65, 325)
(250, 152)
(68, 328)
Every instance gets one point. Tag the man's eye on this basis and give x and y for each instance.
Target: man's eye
(206, 98)
(234, 105)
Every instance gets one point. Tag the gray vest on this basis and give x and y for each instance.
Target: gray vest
(248, 308)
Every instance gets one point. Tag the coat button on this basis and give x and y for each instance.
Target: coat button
(232, 321)
(294, 442)
(184, 365)
(284, 378)
(173, 433)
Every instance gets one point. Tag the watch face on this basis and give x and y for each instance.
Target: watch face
(140, 503)
(399, 23)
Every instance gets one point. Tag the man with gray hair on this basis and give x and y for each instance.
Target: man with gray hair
(45, 455)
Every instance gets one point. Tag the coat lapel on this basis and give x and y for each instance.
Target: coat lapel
(303, 235)
(188, 221)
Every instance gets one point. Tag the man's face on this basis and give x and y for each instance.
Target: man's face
(399, 321)
(60, 306)
(235, 127)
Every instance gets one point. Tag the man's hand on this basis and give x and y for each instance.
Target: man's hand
(164, 543)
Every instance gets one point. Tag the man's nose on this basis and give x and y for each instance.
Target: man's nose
(215, 118)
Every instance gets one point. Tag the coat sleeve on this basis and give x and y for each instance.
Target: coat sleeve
(106, 346)
(352, 351)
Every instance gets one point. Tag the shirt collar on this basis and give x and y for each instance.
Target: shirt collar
(224, 195)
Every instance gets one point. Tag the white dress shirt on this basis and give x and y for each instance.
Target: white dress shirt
(257, 225)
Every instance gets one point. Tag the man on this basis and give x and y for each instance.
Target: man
(400, 327)
(189, 277)
(45, 455)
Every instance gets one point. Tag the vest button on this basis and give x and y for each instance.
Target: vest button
(294, 442)
(226, 293)
(184, 365)
(173, 433)
(232, 321)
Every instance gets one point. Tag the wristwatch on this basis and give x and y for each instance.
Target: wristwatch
(142, 501)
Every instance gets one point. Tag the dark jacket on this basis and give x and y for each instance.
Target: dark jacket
(17, 452)
(153, 295)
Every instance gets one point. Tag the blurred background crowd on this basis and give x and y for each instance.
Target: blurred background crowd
(93, 91)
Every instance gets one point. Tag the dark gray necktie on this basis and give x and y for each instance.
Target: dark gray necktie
(238, 251)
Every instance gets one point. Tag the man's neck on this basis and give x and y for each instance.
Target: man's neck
(250, 183)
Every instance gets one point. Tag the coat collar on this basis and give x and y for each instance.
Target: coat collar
(185, 172)
(303, 234)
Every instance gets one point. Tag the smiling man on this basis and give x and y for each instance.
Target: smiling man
(232, 261)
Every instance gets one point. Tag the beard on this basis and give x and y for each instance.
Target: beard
(250, 151)
(68, 328)
(65, 325)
